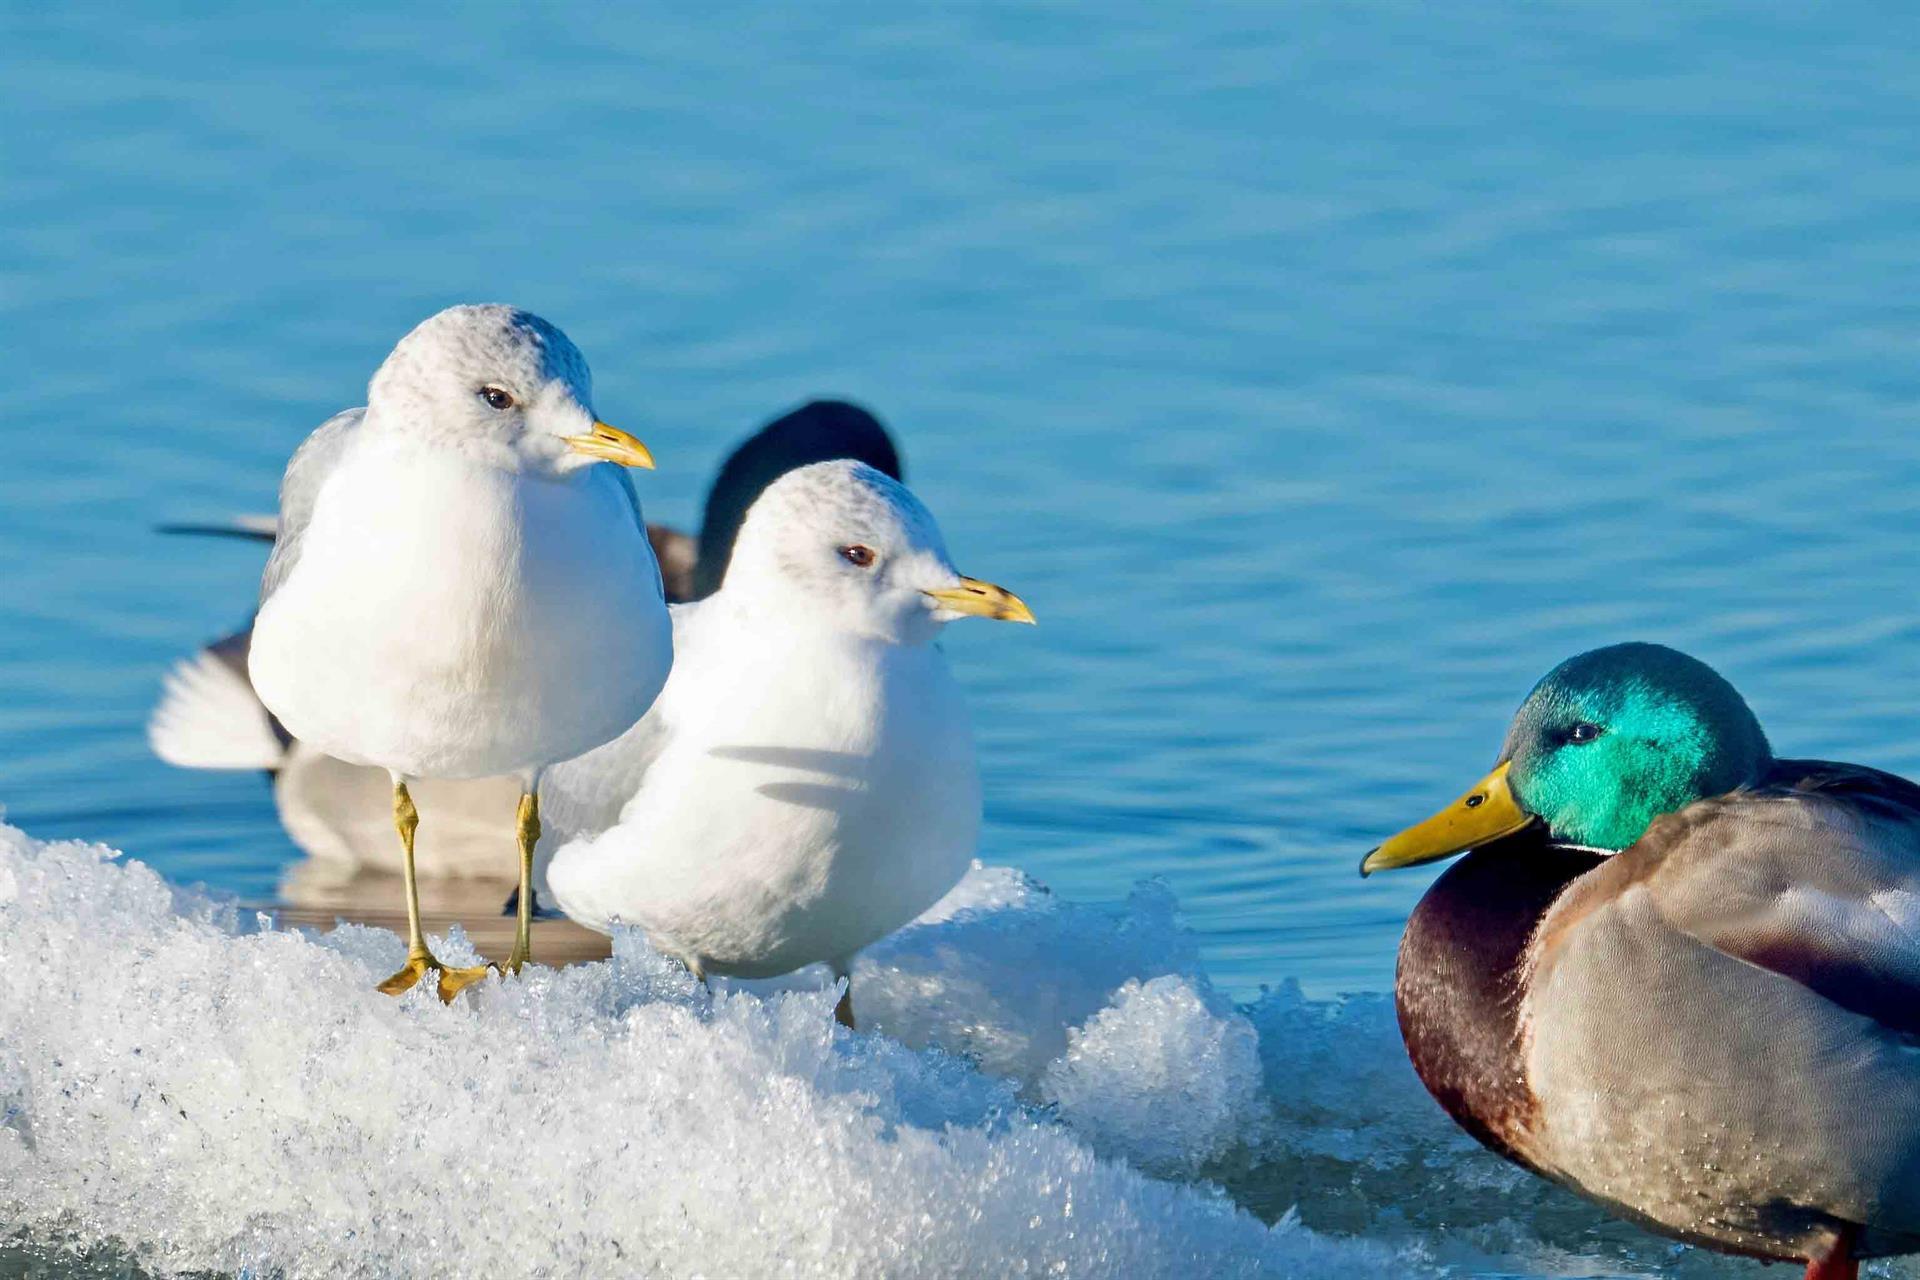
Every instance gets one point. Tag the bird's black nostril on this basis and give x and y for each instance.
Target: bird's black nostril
(1474, 802)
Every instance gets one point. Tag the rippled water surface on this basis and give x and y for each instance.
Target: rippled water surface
(1320, 373)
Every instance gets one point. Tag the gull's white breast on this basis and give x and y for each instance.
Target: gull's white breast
(813, 794)
(451, 619)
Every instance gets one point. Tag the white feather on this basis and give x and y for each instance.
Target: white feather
(807, 782)
(210, 718)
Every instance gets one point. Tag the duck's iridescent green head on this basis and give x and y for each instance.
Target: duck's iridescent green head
(1606, 743)
(1614, 738)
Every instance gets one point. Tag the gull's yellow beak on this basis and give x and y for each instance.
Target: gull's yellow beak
(983, 600)
(611, 444)
(1479, 817)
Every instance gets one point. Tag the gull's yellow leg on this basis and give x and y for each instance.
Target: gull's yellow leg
(406, 820)
(528, 830)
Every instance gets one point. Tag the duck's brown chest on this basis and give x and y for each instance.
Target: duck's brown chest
(1457, 988)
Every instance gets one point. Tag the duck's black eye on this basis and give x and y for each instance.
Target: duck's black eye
(496, 397)
(858, 556)
(1583, 732)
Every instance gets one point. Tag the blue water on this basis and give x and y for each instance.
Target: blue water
(1320, 373)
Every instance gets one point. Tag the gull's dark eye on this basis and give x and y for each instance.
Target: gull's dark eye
(858, 556)
(497, 397)
(1583, 732)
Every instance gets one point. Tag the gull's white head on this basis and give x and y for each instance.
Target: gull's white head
(842, 546)
(503, 383)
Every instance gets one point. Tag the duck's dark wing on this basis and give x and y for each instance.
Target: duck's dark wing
(1857, 784)
(819, 431)
(1812, 874)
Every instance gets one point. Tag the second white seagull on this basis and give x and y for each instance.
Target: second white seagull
(807, 782)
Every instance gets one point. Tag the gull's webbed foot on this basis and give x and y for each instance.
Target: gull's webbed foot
(451, 982)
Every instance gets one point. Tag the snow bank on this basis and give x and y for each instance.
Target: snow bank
(210, 1097)
(1057, 1090)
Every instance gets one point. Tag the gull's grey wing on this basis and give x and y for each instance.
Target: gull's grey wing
(307, 470)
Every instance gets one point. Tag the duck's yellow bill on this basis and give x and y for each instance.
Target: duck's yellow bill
(611, 444)
(983, 600)
(1481, 816)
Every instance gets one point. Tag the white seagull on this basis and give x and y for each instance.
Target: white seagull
(807, 782)
(457, 589)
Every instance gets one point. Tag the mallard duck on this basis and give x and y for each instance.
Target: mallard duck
(1676, 973)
